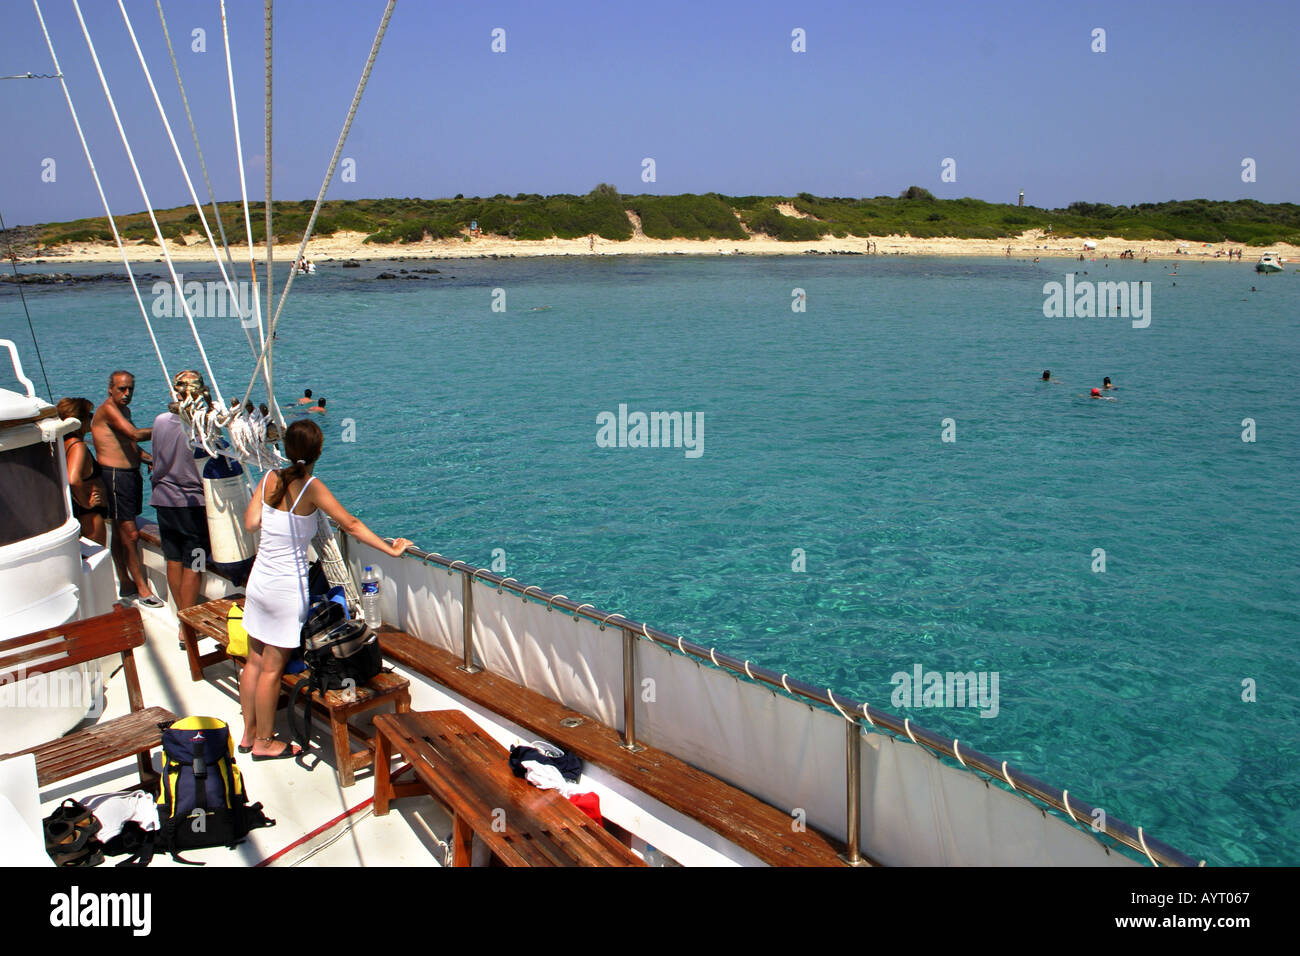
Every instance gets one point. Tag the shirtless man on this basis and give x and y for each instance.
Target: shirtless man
(117, 447)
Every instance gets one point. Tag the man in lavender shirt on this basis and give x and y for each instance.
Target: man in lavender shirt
(178, 498)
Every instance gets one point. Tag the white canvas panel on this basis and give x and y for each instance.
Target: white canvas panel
(572, 662)
(782, 751)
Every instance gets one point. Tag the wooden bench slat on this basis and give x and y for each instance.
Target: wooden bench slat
(102, 744)
(468, 771)
(744, 820)
(79, 642)
(76, 642)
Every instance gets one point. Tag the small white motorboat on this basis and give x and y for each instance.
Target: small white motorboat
(1269, 262)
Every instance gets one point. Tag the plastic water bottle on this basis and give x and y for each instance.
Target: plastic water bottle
(370, 598)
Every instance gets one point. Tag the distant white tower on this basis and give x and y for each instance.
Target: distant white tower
(1022, 197)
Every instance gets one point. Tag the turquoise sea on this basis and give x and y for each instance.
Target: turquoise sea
(476, 430)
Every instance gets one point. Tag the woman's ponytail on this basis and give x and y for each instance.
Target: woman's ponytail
(302, 443)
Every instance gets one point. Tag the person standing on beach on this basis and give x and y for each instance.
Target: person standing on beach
(178, 497)
(117, 446)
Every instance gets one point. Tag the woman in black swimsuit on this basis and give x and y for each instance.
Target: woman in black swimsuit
(84, 473)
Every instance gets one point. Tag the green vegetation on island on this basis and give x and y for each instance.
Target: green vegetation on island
(604, 213)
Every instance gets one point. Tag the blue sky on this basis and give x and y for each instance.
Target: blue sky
(713, 93)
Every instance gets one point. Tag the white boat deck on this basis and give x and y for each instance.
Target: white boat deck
(320, 823)
(303, 796)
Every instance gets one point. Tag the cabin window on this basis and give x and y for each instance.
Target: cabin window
(31, 492)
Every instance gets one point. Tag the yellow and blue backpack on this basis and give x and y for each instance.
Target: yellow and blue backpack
(201, 800)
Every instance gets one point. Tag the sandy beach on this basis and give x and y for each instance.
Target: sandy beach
(343, 246)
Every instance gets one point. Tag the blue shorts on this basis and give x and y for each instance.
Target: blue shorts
(125, 492)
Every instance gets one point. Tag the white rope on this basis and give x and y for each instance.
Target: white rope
(1143, 841)
(907, 725)
(144, 312)
(144, 193)
(786, 686)
(189, 183)
(274, 406)
(956, 751)
(266, 54)
(253, 345)
(1007, 777)
(1065, 798)
(837, 705)
(748, 672)
(866, 712)
(185, 101)
(269, 345)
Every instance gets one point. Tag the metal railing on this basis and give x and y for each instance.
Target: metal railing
(1081, 813)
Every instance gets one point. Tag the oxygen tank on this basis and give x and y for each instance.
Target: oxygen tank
(226, 496)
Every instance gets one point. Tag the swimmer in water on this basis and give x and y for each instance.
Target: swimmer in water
(1096, 393)
(1047, 377)
(1106, 383)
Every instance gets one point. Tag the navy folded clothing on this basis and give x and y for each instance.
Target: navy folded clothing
(569, 765)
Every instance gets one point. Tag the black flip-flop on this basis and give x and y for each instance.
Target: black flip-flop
(286, 752)
(245, 750)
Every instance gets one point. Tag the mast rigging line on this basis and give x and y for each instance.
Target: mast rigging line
(189, 183)
(13, 261)
(324, 187)
(99, 186)
(266, 135)
(277, 414)
(144, 193)
(185, 101)
(248, 332)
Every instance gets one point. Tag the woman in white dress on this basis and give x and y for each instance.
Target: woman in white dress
(284, 507)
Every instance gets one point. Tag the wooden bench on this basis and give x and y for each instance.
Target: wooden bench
(463, 768)
(763, 830)
(209, 620)
(134, 734)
